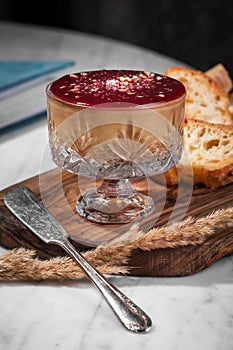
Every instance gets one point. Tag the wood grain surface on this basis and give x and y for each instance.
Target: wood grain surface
(59, 191)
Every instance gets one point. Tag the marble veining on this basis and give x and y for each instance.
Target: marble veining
(194, 312)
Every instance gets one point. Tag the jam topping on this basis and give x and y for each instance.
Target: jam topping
(112, 86)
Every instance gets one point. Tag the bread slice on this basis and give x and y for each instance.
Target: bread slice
(205, 100)
(220, 75)
(209, 148)
(231, 103)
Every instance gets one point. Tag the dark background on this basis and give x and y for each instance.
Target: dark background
(199, 32)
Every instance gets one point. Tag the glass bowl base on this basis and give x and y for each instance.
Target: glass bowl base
(119, 209)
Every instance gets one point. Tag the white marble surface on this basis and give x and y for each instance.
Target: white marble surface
(194, 312)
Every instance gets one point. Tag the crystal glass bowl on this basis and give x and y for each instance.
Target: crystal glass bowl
(115, 125)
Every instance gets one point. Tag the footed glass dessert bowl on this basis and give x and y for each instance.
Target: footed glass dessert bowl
(115, 125)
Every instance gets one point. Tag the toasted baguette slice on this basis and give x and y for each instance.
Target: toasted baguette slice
(210, 150)
(221, 76)
(205, 100)
(231, 103)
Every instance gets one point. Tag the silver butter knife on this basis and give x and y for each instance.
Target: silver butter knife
(27, 207)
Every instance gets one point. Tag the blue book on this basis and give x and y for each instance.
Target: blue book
(22, 88)
(16, 73)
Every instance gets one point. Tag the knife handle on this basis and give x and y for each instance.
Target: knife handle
(131, 316)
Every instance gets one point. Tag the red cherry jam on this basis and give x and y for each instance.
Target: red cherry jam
(111, 86)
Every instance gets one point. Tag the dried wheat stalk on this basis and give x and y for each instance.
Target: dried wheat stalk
(111, 258)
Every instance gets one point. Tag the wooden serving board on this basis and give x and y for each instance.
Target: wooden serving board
(59, 191)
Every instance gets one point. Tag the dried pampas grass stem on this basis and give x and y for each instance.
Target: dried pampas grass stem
(112, 258)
